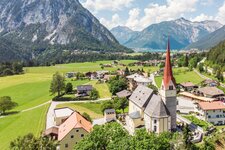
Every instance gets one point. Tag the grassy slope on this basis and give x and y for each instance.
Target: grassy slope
(182, 77)
(27, 90)
(102, 88)
(93, 109)
(21, 124)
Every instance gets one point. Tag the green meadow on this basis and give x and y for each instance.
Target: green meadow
(32, 89)
(181, 75)
(92, 108)
(20, 124)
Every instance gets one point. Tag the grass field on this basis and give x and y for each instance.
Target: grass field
(102, 88)
(27, 90)
(84, 67)
(32, 89)
(92, 108)
(75, 67)
(20, 124)
(201, 123)
(182, 76)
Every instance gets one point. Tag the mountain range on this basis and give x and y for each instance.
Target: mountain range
(32, 26)
(182, 32)
(209, 40)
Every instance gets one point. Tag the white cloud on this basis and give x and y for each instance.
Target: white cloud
(172, 10)
(221, 14)
(113, 5)
(206, 2)
(133, 22)
(202, 17)
(115, 21)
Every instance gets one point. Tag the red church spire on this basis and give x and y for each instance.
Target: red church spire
(168, 74)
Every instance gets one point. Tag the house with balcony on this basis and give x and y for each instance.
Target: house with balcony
(213, 112)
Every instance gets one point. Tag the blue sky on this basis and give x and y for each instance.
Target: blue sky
(138, 14)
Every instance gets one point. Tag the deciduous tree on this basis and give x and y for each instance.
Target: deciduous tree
(6, 104)
(57, 84)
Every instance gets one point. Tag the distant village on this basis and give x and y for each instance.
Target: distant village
(156, 111)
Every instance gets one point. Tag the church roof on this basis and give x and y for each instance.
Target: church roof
(135, 115)
(156, 107)
(168, 74)
(141, 96)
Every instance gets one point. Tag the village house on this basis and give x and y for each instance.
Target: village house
(123, 94)
(108, 77)
(204, 94)
(70, 132)
(101, 74)
(94, 76)
(61, 114)
(135, 79)
(210, 92)
(84, 90)
(109, 115)
(210, 82)
(188, 86)
(70, 74)
(213, 112)
(120, 72)
(155, 113)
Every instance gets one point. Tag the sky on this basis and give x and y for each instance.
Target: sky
(139, 14)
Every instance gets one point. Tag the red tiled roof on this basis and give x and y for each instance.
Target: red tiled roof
(74, 121)
(168, 74)
(211, 105)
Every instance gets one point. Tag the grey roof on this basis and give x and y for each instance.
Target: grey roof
(124, 93)
(135, 115)
(133, 76)
(141, 96)
(84, 87)
(156, 107)
(109, 110)
(213, 91)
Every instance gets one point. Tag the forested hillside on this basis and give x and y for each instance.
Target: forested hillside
(217, 54)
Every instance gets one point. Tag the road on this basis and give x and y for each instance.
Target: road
(152, 77)
(29, 109)
(50, 115)
(204, 77)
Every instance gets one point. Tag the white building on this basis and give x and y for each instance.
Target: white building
(157, 113)
(61, 114)
(213, 112)
(136, 80)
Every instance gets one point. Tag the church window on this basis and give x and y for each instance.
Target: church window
(171, 87)
(155, 121)
(155, 128)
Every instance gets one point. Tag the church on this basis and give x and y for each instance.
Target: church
(156, 113)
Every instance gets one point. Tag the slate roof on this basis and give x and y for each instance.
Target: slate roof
(141, 96)
(156, 107)
(213, 91)
(84, 87)
(135, 115)
(109, 110)
(124, 93)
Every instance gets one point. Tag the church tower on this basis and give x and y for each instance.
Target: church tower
(168, 89)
